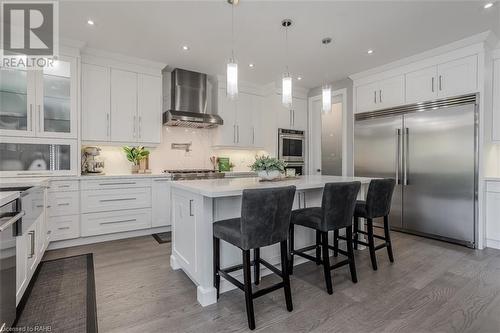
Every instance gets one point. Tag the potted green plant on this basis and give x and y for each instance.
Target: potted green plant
(268, 168)
(135, 155)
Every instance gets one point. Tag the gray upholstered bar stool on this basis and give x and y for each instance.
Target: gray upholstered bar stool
(265, 220)
(335, 213)
(377, 204)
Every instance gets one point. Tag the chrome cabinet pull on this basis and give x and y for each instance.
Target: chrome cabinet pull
(11, 221)
(120, 199)
(32, 244)
(119, 221)
(432, 84)
(63, 204)
(106, 184)
(31, 117)
(62, 186)
(63, 228)
(304, 198)
(398, 154)
(290, 111)
(238, 128)
(234, 133)
(108, 125)
(406, 139)
(440, 82)
(191, 207)
(140, 126)
(253, 135)
(135, 121)
(39, 119)
(293, 117)
(380, 95)
(375, 96)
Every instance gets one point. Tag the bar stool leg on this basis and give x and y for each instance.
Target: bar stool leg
(216, 254)
(371, 243)
(355, 235)
(247, 281)
(350, 257)
(335, 243)
(291, 237)
(286, 277)
(326, 262)
(318, 247)
(256, 266)
(388, 238)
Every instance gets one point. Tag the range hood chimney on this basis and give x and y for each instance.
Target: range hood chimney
(188, 107)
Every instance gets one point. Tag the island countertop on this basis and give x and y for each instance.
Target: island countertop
(215, 188)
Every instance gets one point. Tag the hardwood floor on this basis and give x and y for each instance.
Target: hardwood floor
(431, 287)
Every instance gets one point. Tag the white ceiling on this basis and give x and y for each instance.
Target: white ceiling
(156, 30)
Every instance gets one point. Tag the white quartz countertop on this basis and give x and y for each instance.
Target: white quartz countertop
(6, 197)
(214, 188)
(127, 175)
(23, 182)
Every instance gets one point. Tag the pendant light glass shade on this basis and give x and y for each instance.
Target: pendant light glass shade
(327, 99)
(232, 79)
(286, 90)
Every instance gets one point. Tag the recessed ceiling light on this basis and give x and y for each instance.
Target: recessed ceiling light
(299, 78)
(185, 47)
(370, 51)
(488, 5)
(90, 22)
(251, 65)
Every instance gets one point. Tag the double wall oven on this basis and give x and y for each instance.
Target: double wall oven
(291, 149)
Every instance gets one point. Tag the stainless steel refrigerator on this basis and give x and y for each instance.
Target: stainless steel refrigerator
(431, 150)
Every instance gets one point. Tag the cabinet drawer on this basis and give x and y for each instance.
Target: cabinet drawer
(119, 221)
(106, 200)
(105, 184)
(493, 187)
(64, 185)
(63, 203)
(64, 227)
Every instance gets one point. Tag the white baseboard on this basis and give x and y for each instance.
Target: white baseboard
(493, 243)
(105, 238)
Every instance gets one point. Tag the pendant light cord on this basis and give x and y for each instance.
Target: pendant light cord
(232, 32)
(286, 50)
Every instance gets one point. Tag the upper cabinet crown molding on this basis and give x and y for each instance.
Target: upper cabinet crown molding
(123, 62)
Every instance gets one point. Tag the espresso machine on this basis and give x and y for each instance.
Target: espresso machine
(91, 162)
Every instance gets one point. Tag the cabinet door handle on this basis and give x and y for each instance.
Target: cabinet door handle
(140, 126)
(105, 184)
(31, 117)
(380, 95)
(39, 119)
(375, 96)
(253, 135)
(119, 221)
(135, 121)
(290, 117)
(293, 118)
(238, 131)
(304, 198)
(432, 84)
(62, 186)
(108, 125)
(234, 133)
(440, 82)
(63, 228)
(120, 199)
(63, 204)
(32, 244)
(191, 207)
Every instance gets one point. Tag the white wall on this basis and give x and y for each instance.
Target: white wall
(164, 157)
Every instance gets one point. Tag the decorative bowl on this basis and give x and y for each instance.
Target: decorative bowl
(269, 175)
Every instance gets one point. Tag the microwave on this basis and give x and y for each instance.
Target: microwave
(291, 145)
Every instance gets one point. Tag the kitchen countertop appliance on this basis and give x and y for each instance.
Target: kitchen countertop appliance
(11, 215)
(431, 149)
(291, 149)
(191, 174)
(92, 163)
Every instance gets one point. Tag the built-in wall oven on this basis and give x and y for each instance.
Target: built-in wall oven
(291, 149)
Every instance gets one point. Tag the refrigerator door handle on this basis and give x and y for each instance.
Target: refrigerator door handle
(406, 140)
(398, 155)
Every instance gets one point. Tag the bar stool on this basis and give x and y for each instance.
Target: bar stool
(265, 220)
(335, 213)
(377, 204)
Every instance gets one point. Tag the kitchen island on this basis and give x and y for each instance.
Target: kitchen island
(196, 204)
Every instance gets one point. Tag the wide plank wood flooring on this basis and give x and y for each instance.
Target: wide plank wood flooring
(432, 287)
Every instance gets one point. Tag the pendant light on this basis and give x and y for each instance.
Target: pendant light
(326, 91)
(232, 66)
(286, 84)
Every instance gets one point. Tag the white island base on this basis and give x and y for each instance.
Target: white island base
(196, 204)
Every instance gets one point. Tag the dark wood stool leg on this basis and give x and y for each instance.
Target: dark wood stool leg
(326, 262)
(350, 257)
(355, 235)
(291, 238)
(371, 243)
(388, 238)
(286, 277)
(216, 254)
(335, 243)
(247, 281)
(256, 266)
(318, 247)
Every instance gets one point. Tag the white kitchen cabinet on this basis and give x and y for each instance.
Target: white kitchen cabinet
(160, 204)
(96, 112)
(115, 199)
(381, 94)
(40, 103)
(241, 120)
(64, 227)
(496, 102)
(149, 108)
(457, 77)
(421, 85)
(294, 117)
(115, 221)
(124, 122)
(493, 214)
(21, 265)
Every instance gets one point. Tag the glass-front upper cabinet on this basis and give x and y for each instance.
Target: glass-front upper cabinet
(40, 103)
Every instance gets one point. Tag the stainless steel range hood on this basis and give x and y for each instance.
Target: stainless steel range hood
(188, 95)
